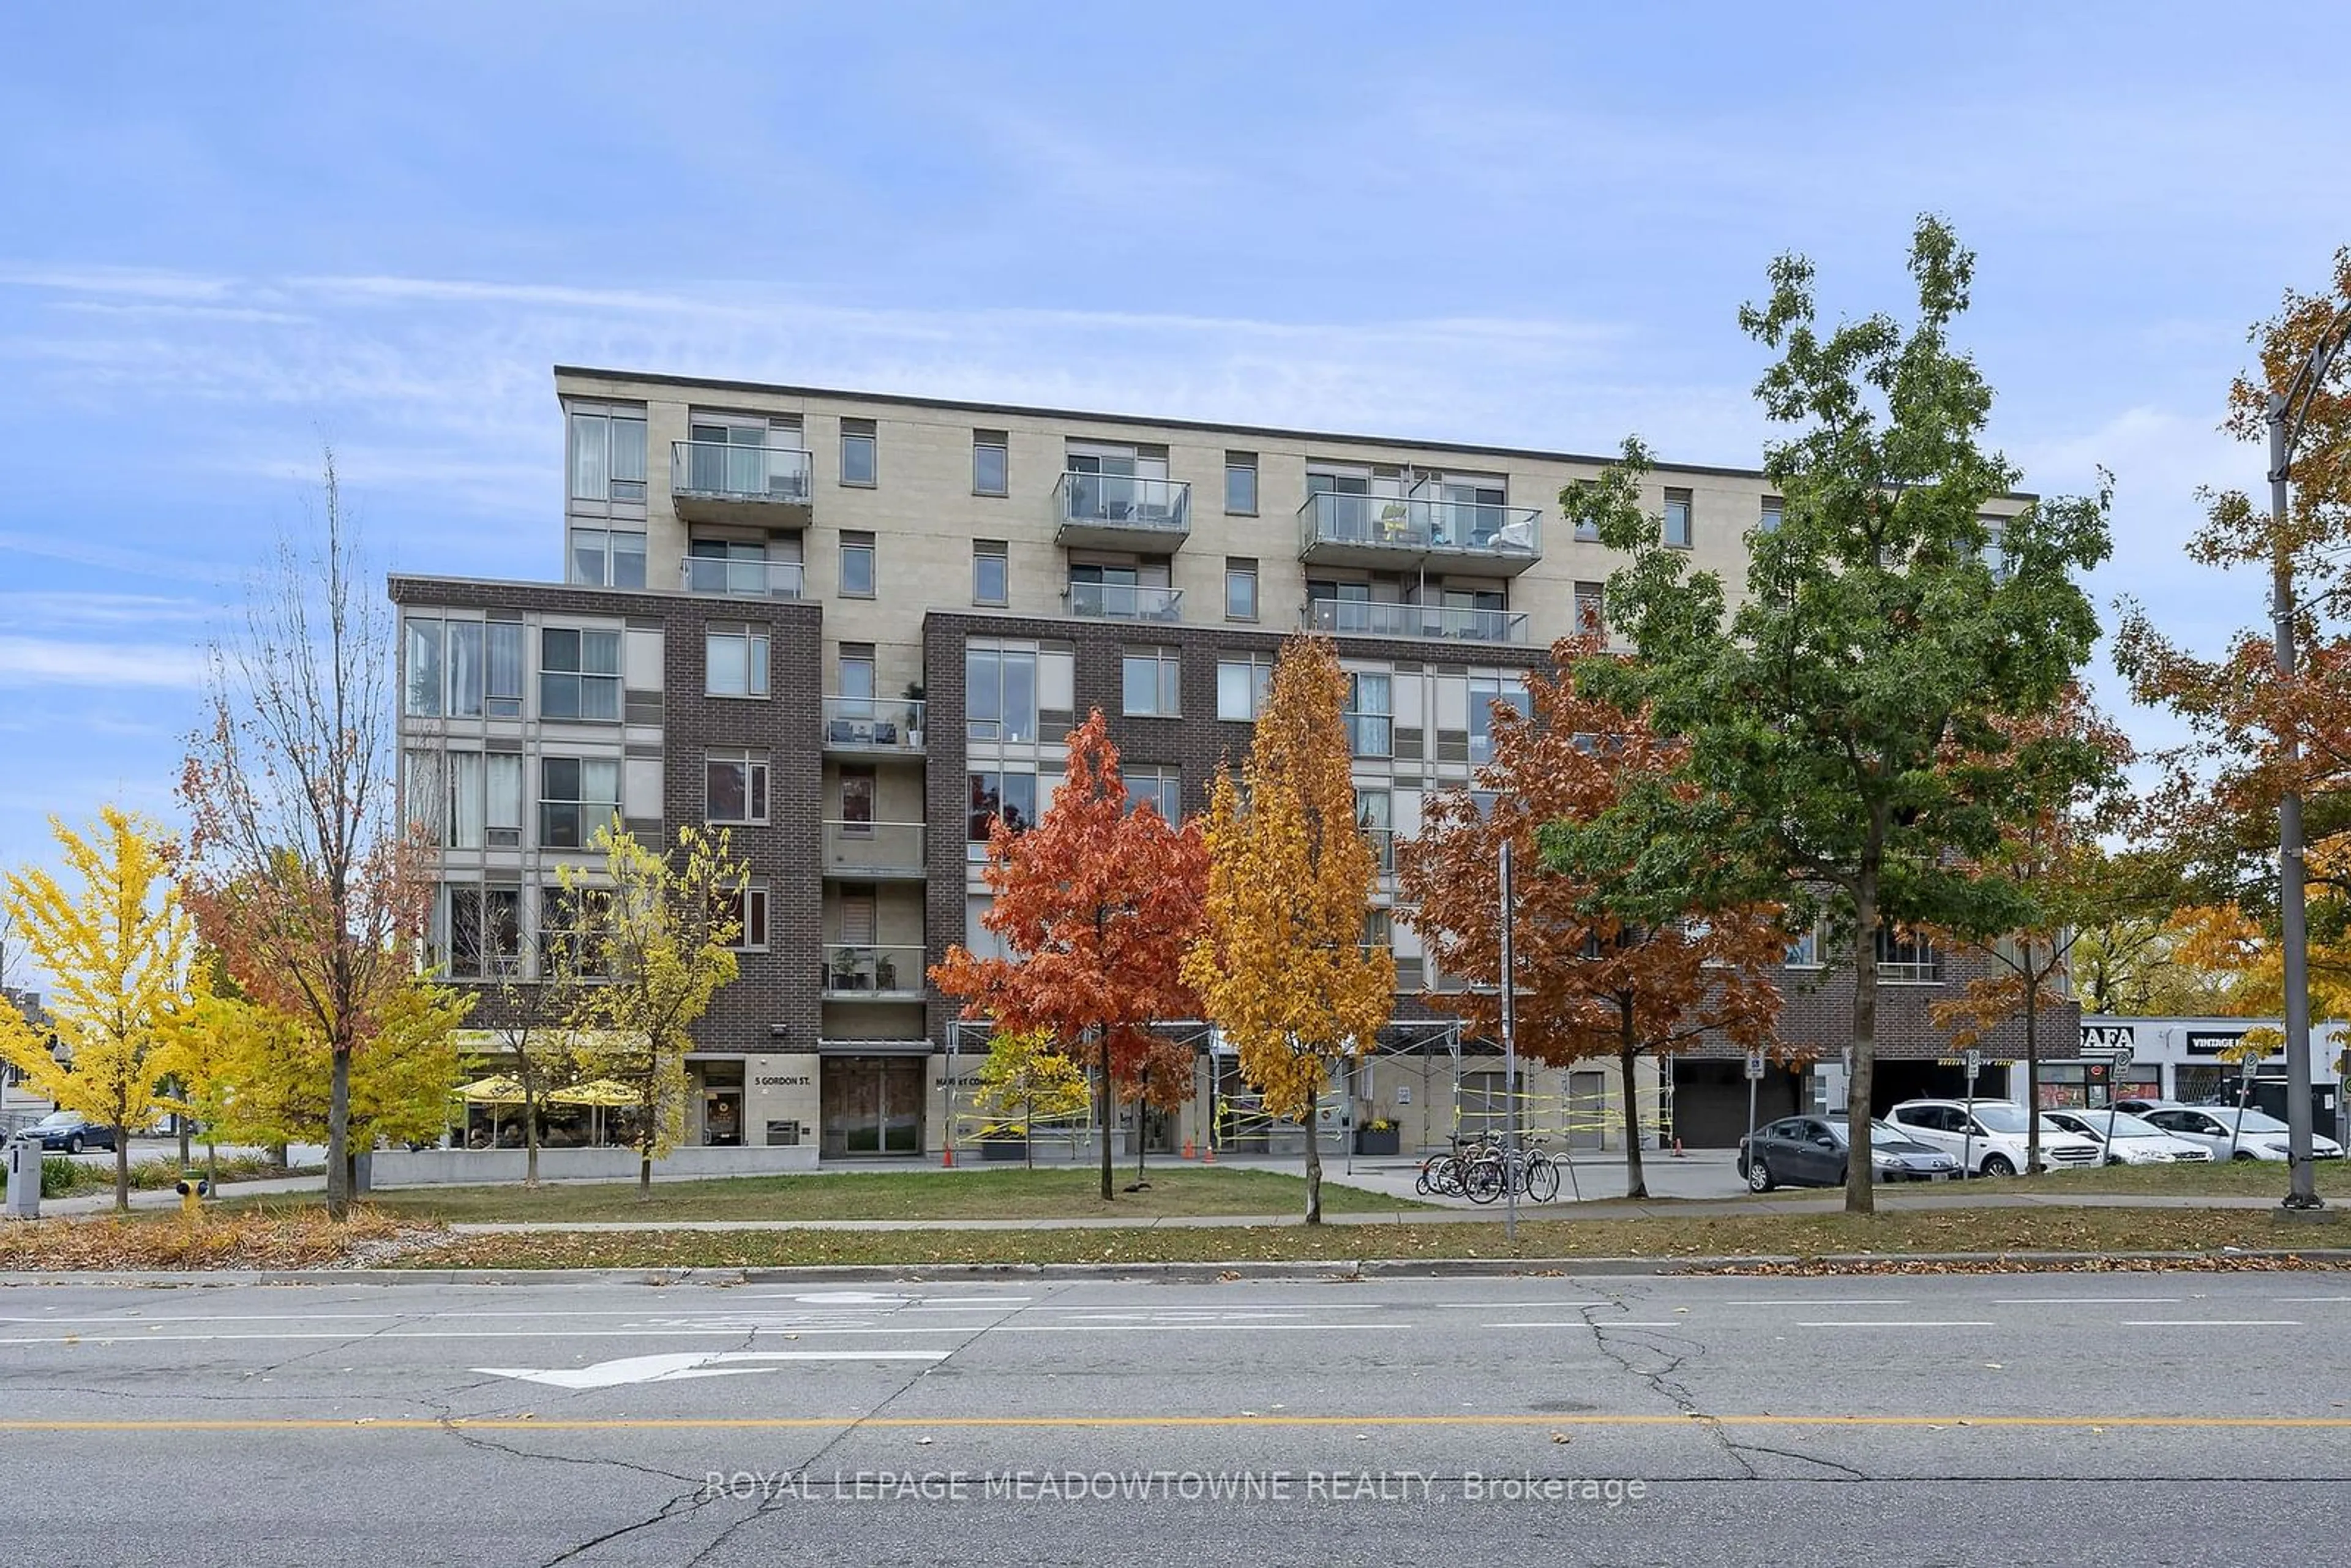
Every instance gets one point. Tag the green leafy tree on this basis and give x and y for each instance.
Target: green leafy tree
(1025, 1080)
(1841, 714)
(660, 941)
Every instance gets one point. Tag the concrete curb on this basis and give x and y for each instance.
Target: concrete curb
(1171, 1274)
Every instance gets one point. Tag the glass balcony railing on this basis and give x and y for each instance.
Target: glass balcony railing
(862, 969)
(748, 579)
(1330, 522)
(873, 849)
(721, 471)
(1124, 602)
(1361, 618)
(1115, 501)
(873, 724)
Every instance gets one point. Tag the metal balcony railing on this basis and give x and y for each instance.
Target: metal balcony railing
(863, 969)
(724, 472)
(1363, 617)
(873, 849)
(1124, 501)
(1420, 526)
(893, 725)
(746, 579)
(1124, 602)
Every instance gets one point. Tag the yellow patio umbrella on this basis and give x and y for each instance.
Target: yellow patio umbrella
(494, 1092)
(598, 1096)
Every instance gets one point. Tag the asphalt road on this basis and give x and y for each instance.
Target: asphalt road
(2010, 1419)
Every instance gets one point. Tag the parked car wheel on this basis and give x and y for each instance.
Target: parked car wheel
(1997, 1165)
(2246, 1154)
(1759, 1174)
(73, 1143)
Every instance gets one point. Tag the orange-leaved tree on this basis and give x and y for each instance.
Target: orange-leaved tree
(1284, 967)
(2061, 790)
(1095, 906)
(1589, 983)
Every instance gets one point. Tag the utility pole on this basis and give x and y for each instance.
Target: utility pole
(1510, 1056)
(2288, 412)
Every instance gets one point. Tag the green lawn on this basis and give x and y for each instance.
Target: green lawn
(1802, 1236)
(2253, 1179)
(975, 1194)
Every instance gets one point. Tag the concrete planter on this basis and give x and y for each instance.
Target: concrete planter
(1369, 1141)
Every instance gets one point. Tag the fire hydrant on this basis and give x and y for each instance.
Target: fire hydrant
(193, 1190)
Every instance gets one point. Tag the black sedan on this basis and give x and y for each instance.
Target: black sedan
(1809, 1151)
(69, 1131)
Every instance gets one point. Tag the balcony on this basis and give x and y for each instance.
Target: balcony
(1378, 532)
(856, 972)
(873, 851)
(1359, 618)
(744, 578)
(1119, 511)
(872, 727)
(755, 486)
(1124, 602)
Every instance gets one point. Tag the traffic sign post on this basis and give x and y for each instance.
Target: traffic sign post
(1754, 1076)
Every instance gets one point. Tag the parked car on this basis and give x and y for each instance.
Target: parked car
(1814, 1151)
(1994, 1137)
(71, 1131)
(2129, 1141)
(2231, 1134)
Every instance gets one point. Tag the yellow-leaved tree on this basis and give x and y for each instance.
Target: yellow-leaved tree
(1025, 1081)
(114, 941)
(656, 937)
(1284, 969)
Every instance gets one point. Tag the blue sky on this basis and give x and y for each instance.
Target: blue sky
(227, 241)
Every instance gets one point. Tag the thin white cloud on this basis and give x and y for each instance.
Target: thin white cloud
(54, 662)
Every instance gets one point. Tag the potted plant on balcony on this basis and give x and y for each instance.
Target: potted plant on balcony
(1377, 1136)
(844, 969)
(914, 715)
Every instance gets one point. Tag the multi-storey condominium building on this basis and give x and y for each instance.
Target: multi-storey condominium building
(854, 628)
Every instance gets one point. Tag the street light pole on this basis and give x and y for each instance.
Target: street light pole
(2287, 411)
(1509, 1057)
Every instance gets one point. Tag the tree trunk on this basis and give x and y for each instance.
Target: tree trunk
(644, 1176)
(1860, 1196)
(121, 1168)
(180, 1120)
(1637, 1184)
(529, 1135)
(211, 1165)
(338, 1137)
(1314, 1168)
(1109, 1108)
(2032, 1068)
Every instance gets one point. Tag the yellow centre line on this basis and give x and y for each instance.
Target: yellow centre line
(940, 1423)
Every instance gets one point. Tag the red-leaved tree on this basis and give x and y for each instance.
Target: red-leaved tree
(1589, 985)
(1095, 906)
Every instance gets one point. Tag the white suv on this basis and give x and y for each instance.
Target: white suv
(2217, 1127)
(1991, 1137)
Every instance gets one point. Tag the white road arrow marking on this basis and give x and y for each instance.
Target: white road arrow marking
(679, 1366)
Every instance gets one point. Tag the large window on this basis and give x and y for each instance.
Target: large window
(1152, 682)
(608, 457)
(1484, 691)
(1376, 815)
(1370, 708)
(1907, 956)
(568, 918)
(1240, 588)
(1008, 794)
(860, 463)
(991, 462)
(1161, 787)
(578, 674)
(1678, 519)
(745, 908)
(735, 787)
(480, 931)
(999, 693)
(1591, 609)
(467, 801)
(577, 794)
(735, 661)
(608, 558)
(1769, 517)
(856, 565)
(1241, 686)
(1240, 484)
(990, 573)
(460, 668)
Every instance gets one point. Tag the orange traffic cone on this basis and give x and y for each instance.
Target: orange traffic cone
(1208, 1157)
(946, 1158)
(1677, 1148)
(1187, 1148)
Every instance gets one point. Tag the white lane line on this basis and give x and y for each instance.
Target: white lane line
(1901, 1323)
(736, 1330)
(2212, 1323)
(1515, 1306)
(694, 1364)
(1820, 1301)
(2283, 1298)
(2086, 1300)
